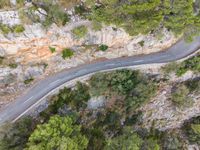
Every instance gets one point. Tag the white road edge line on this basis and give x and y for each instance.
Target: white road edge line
(54, 82)
(109, 64)
(28, 99)
(35, 104)
(138, 61)
(22, 114)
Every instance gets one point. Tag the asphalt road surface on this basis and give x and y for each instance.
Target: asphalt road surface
(22, 104)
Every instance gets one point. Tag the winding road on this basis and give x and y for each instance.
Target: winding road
(18, 108)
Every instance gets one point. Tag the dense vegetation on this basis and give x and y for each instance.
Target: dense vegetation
(192, 130)
(145, 16)
(68, 123)
(59, 133)
(192, 64)
(135, 16)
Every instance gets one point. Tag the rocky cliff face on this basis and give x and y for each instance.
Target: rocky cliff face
(30, 49)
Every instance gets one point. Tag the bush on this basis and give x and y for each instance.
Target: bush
(15, 136)
(173, 141)
(170, 67)
(180, 96)
(80, 10)
(191, 129)
(1, 60)
(59, 133)
(133, 85)
(67, 53)
(18, 29)
(141, 43)
(13, 65)
(27, 81)
(103, 47)
(5, 29)
(20, 3)
(5, 4)
(127, 141)
(54, 13)
(96, 26)
(192, 64)
(80, 32)
(142, 17)
(81, 96)
(193, 85)
(52, 49)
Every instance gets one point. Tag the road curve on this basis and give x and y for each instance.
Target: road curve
(15, 110)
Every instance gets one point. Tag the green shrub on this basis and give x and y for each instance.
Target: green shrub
(5, 4)
(20, 3)
(146, 16)
(18, 28)
(191, 129)
(103, 47)
(15, 136)
(151, 144)
(55, 14)
(27, 81)
(141, 43)
(192, 64)
(59, 133)
(96, 26)
(180, 96)
(1, 60)
(127, 141)
(133, 85)
(193, 85)
(80, 10)
(80, 96)
(67, 53)
(5, 29)
(52, 49)
(173, 141)
(170, 67)
(13, 65)
(80, 32)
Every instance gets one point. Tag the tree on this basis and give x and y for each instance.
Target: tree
(80, 95)
(127, 141)
(144, 16)
(59, 133)
(191, 129)
(15, 136)
(173, 141)
(54, 13)
(151, 144)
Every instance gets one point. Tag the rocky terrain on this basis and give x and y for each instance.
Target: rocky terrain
(29, 51)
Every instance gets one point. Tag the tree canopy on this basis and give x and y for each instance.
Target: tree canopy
(59, 133)
(144, 16)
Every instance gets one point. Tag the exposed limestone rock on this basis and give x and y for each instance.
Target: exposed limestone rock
(32, 46)
(9, 17)
(96, 102)
(2, 52)
(165, 115)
